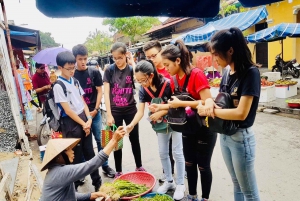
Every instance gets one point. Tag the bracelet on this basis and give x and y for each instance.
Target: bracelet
(90, 117)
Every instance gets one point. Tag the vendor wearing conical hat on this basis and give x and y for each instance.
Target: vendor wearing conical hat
(59, 180)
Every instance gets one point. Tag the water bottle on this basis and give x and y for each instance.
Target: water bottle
(189, 112)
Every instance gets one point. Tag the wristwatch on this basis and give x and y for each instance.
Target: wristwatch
(97, 109)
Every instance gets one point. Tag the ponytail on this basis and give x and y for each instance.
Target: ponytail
(178, 50)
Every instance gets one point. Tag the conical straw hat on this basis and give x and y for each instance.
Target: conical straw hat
(55, 147)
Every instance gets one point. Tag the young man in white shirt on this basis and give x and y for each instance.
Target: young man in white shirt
(75, 116)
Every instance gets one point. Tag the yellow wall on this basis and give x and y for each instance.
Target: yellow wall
(282, 12)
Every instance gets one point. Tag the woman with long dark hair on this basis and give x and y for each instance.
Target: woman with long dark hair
(155, 85)
(242, 81)
(119, 100)
(198, 145)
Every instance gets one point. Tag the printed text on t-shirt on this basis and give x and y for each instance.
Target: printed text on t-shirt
(118, 93)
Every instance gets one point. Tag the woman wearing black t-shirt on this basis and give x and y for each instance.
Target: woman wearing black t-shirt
(119, 101)
(242, 81)
(159, 87)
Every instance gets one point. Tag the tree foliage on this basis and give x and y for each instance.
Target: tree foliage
(98, 41)
(47, 40)
(227, 9)
(131, 26)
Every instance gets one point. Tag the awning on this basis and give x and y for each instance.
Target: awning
(125, 8)
(278, 32)
(24, 38)
(241, 20)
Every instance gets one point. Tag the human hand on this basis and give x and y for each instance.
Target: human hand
(155, 116)
(154, 107)
(130, 59)
(175, 102)
(119, 134)
(96, 195)
(210, 105)
(110, 120)
(93, 113)
(89, 123)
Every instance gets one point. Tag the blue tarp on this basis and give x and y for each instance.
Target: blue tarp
(19, 33)
(125, 8)
(241, 20)
(278, 32)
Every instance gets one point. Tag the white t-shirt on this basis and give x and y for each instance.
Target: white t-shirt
(73, 95)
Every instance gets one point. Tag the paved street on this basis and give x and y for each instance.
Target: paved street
(277, 164)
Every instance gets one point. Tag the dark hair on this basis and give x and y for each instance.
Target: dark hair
(147, 67)
(79, 50)
(38, 65)
(65, 57)
(121, 47)
(223, 40)
(178, 50)
(152, 44)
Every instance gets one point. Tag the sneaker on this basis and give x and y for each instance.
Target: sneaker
(109, 172)
(140, 169)
(179, 192)
(118, 174)
(166, 186)
(162, 178)
(191, 198)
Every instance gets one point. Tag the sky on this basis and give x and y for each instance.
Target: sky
(66, 31)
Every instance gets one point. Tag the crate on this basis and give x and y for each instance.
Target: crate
(214, 91)
(285, 91)
(272, 76)
(267, 94)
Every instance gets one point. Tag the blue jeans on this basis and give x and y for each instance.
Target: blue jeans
(96, 129)
(238, 151)
(177, 150)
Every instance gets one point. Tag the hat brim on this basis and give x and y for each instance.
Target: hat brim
(56, 147)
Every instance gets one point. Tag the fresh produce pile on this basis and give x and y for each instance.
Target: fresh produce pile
(285, 82)
(264, 81)
(215, 82)
(122, 188)
(155, 198)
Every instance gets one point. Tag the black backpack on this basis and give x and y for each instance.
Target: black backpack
(51, 108)
(177, 117)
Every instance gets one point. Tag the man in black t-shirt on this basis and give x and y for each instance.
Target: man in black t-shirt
(90, 80)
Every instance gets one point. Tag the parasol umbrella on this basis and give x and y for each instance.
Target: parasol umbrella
(48, 55)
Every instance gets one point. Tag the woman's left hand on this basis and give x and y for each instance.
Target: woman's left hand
(175, 102)
(154, 117)
(209, 107)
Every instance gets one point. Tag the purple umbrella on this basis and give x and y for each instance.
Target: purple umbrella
(48, 55)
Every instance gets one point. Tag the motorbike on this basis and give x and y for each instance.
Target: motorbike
(286, 68)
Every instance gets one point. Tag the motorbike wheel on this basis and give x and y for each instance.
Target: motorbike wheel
(43, 135)
(296, 73)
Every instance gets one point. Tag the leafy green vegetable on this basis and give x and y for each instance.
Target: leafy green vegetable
(155, 198)
(122, 188)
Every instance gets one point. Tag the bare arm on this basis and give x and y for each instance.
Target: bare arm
(138, 116)
(107, 97)
(99, 97)
(46, 87)
(239, 113)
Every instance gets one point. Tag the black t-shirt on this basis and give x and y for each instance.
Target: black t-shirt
(90, 91)
(121, 94)
(248, 85)
(144, 97)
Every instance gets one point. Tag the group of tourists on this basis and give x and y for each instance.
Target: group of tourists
(165, 72)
